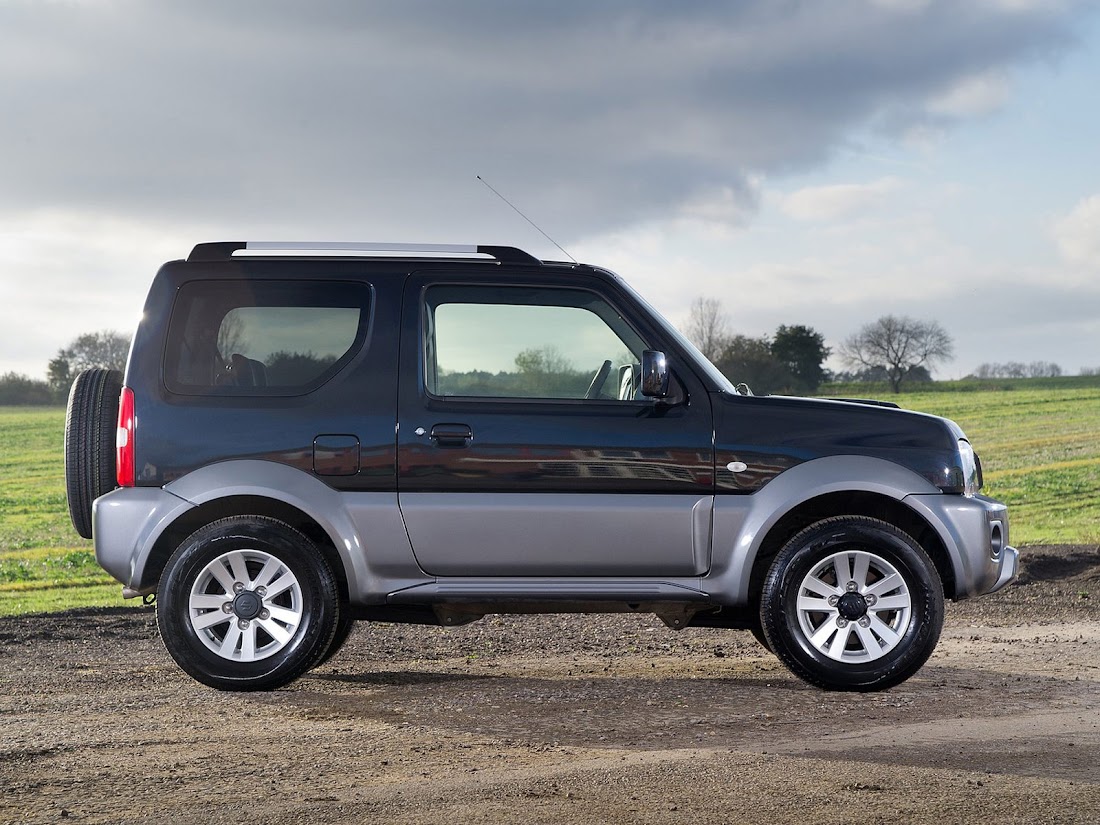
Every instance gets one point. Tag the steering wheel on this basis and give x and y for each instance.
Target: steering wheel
(598, 380)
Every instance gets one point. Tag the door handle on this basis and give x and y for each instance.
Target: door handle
(452, 435)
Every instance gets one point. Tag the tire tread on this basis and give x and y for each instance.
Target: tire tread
(91, 418)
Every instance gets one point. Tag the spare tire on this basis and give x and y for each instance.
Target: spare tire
(91, 421)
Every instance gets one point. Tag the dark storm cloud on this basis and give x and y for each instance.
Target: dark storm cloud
(591, 115)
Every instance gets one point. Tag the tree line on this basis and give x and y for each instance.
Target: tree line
(106, 348)
(894, 349)
(791, 361)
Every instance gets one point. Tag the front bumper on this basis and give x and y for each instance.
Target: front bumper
(974, 531)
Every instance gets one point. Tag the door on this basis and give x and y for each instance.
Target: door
(524, 445)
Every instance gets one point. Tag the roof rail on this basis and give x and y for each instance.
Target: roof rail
(225, 250)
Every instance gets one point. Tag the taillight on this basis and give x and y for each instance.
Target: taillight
(124, 439)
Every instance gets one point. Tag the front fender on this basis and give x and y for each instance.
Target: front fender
(742, 522)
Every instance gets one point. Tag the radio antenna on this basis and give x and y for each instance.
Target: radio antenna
(555, 243)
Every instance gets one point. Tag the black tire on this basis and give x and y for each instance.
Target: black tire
(91, 421)
(266, 640)
(758, 633)
(885, 620)
(343, 631)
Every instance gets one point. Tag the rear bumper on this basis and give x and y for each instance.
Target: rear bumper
(974, 531)
(125, 525)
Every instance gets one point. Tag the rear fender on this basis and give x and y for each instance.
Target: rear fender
(374, 564)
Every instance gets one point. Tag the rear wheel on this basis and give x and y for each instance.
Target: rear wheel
(91, 421)
(247, 603)
(852, 603)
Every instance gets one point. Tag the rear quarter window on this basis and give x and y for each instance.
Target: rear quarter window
(263, 337)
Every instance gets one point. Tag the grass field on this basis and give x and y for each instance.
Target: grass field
(1039, 442)
(44, 564)
(1040, 452)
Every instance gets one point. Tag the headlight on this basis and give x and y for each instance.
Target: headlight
(968, 463)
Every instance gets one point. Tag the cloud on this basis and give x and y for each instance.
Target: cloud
(1078, 233)
(639, 130)
(591, 116)
(838, 201)
(970, 96)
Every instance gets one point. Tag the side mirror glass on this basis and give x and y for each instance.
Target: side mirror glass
(654, 374)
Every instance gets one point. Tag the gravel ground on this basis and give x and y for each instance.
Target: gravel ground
(565, 719)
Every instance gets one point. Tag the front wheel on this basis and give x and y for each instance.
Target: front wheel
(852, 603)
(247, 603)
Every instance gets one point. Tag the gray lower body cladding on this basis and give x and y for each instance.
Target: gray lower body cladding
(711, 550)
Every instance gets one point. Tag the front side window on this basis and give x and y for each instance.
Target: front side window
(520, 342)
(262, 337)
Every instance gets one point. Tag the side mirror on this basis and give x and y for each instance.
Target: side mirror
(654, 374)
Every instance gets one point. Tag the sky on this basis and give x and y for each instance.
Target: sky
(803, 162)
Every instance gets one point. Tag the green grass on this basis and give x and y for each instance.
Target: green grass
(33, 513)
(1039, 441)
(48, 579)
(1040, 452)
(65, 596)
(44, 564)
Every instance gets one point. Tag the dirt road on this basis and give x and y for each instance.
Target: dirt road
(565, 719)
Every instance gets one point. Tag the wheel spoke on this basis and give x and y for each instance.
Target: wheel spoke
(239, 568)
(277, 632)
(229, 643)
(843, 570)
(814, 604)
(884, 632)
(207, 601)
(270, 569)
(212, 618)
(221, 574)
(281, 585)
(891, 582)
(816, 585)
(840, 642)
(821, 636)
(870, 642)
(248, 643)
(900, 601)
(859, 571)
(284, 616)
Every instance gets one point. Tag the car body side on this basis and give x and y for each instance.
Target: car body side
(774, 466)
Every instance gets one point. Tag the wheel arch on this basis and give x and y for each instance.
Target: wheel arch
(240, 505)
(263, 488)
(851, 503)
(751, 529)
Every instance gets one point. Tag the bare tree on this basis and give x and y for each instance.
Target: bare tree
(231, 335)
(897, 344)
(707, 327)
(105, 348)
(1017, 369)
(1043, 369)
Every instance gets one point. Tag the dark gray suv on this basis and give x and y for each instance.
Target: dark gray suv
(310, 434)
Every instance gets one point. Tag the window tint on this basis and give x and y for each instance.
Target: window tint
(528, 343)
(262, 337)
